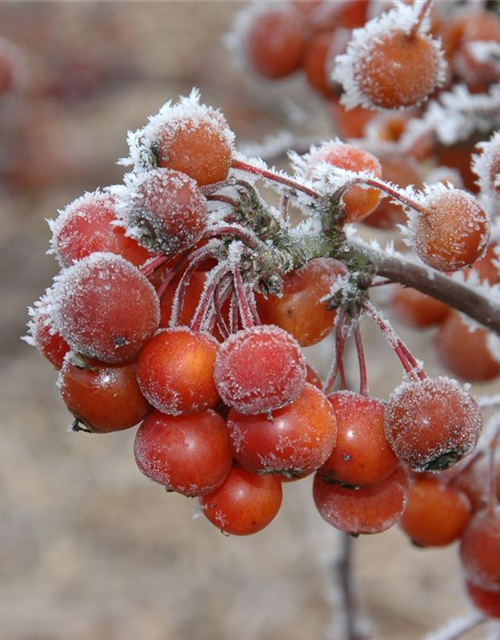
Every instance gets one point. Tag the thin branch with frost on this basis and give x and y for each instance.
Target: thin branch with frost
(348, 625)
(457, 627)
(398, 268)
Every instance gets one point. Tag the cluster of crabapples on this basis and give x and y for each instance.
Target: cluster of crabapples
(184, 302)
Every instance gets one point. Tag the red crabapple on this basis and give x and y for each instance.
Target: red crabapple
(388, 66)
(436, 514)
(88, 225)
(187, 454)
(104, 398)
(176, 371)
(105, 308)
(362, 455)
(244, 504)
(300, 310)
(294, 441)
(196, 141)
(469, 353)
(452, 232)
(274, 42)
(431, 424)
(371, 509)
(260, 369)
(480, 549)
(165, 210)
(359, 202)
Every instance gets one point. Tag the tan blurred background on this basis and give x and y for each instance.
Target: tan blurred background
(90, 549)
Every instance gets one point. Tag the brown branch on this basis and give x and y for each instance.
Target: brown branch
(472, 302)
(343, 576)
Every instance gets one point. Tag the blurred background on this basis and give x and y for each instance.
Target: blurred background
(90, 549)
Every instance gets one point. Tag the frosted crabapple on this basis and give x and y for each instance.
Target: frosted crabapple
(105, 308)
(89, 225)
(391, 62)
(189, 454)
(164, 209)
(185, 299)
(260, 369)
(431, 424)
(359, 202)
(371, 509)
(451, 230)
(292, 441)
(189, 137)
(244, 504)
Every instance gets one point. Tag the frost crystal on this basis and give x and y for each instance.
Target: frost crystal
(166, 122)
(486, 166)
(347, 68)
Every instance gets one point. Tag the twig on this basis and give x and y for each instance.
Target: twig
(459, 296)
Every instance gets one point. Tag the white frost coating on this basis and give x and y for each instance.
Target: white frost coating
(162, 209)
(486, 166)
(299, 198)
(166, 122)
(455, 116)
(346, 71)
(456, 627)
(323, 176)
(78, 207)
(92, 320)
(40, 312)
(485, 51)
(255, 385)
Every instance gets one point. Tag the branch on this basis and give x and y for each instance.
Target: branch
(347, 611)
(397, 268)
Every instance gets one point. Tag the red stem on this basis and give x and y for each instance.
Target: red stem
(274, 177)
(206, 300)
(245, 312)
(409, 363)
(196, 259)
(337, 365)
(363, 378)
(420, 18)
(153, 264)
